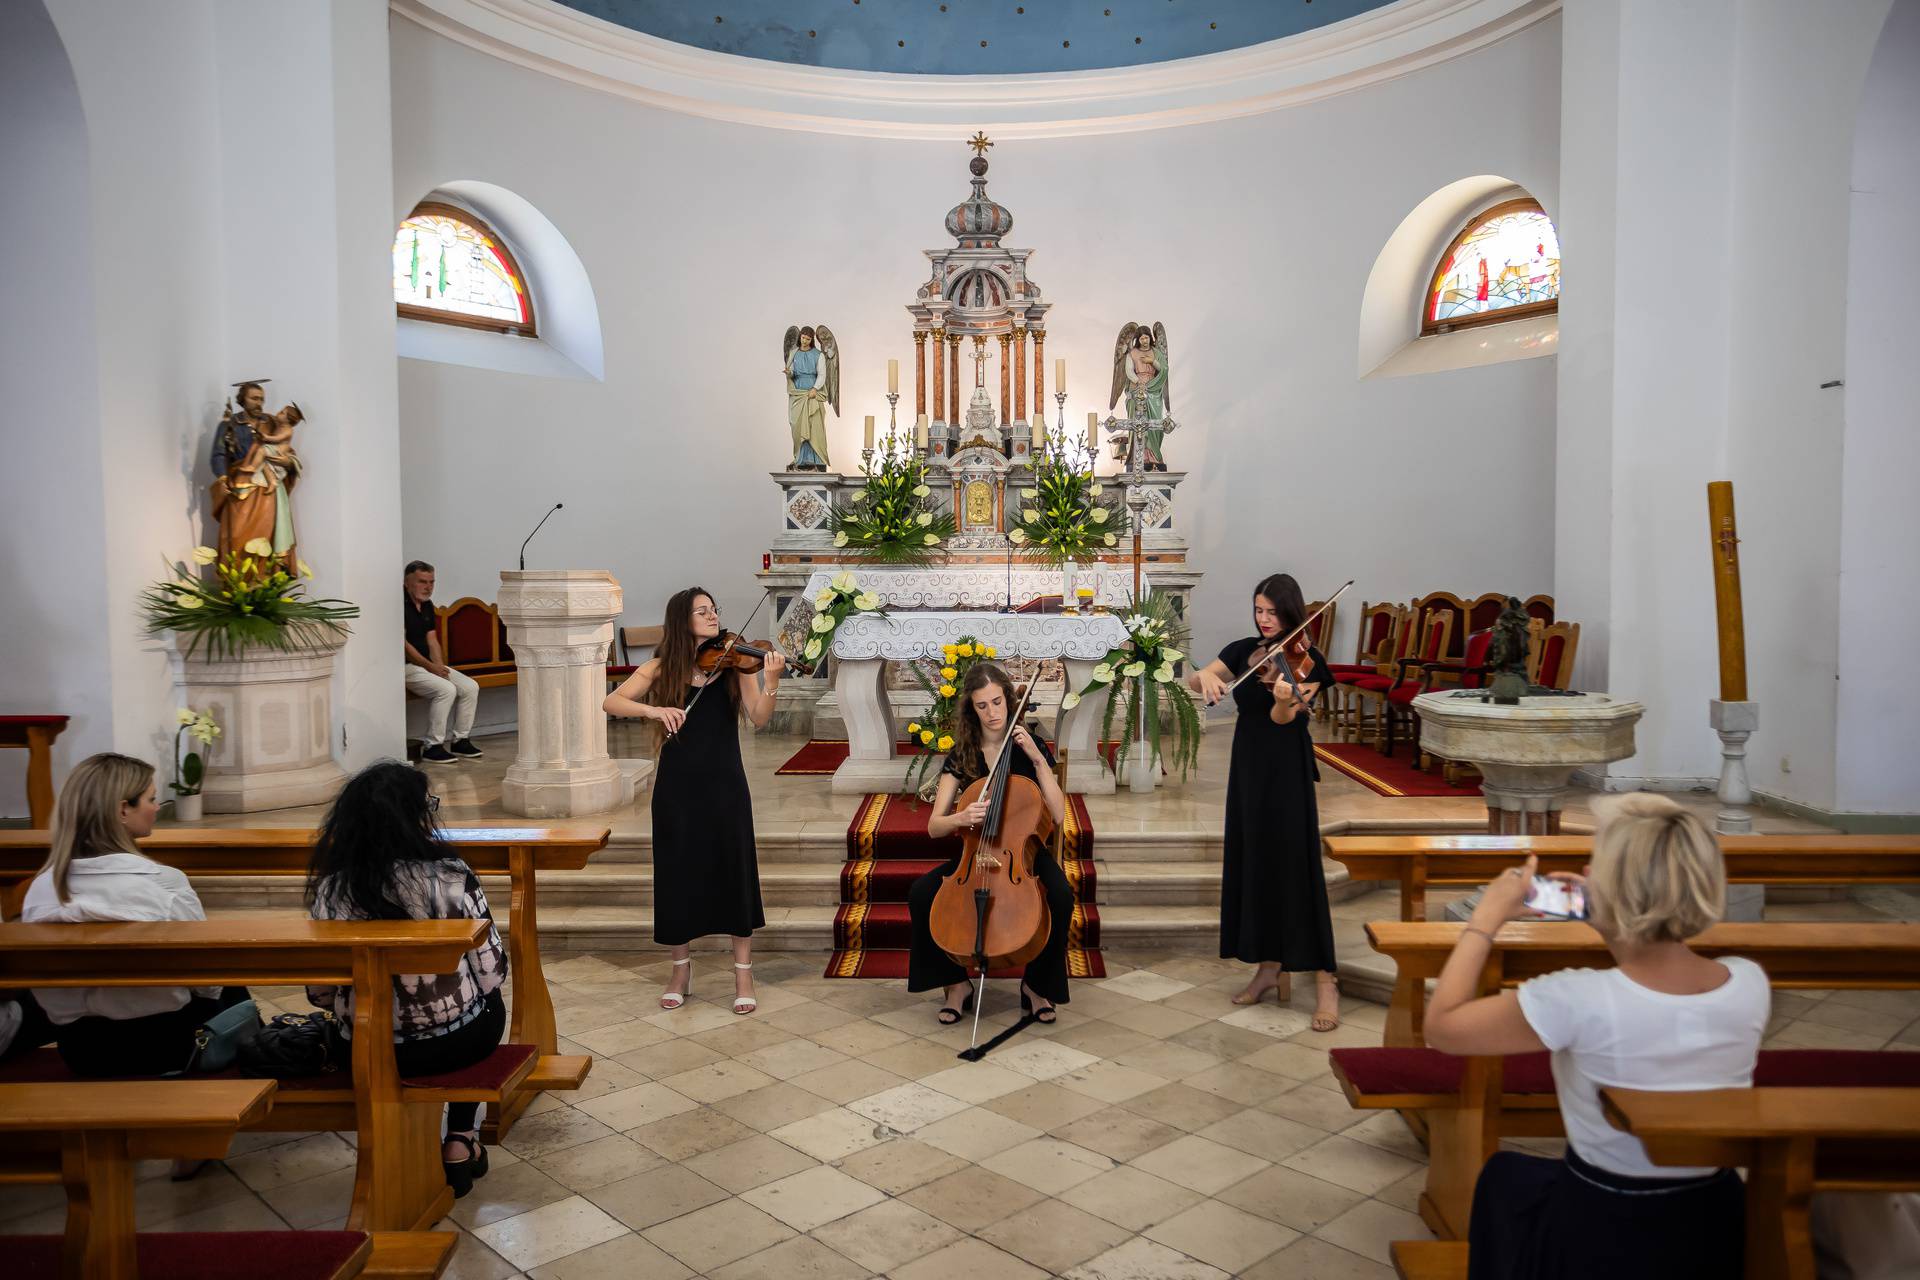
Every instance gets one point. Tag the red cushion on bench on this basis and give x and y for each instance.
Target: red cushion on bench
(1430, 1071)
(491, 1072)
(206, 1255)
(1837, 1069)
(33, 721)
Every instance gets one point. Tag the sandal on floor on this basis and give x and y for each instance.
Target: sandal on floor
(461, 1173)
(1282, 988)
(1329, 1022)
(966, 1007)
(1045, 1017)
(744, 1004)
(674, 999)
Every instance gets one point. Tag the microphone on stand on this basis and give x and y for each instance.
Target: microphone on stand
(536, 529)
(1009, 608)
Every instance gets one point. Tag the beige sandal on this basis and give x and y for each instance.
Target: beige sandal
(1282, 988)
(1325, 1021)
(674, 999)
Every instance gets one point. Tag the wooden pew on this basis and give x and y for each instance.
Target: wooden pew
(1792, 1142)
(399, 1184)
(516, 852)
(102, 1127)
(1416, 862)
(1469, 1104)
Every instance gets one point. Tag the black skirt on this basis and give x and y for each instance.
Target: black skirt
(706, 875)
(1541, 1219)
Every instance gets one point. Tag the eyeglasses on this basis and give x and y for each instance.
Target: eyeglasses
(433, 803)
(706, 613)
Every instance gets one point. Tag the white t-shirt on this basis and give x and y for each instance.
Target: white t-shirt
(1605, 1029)
(112, 886)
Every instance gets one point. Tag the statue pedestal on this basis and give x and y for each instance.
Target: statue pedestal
(560, 623)
(1735, 723)
(275, 712)
(1527, 754)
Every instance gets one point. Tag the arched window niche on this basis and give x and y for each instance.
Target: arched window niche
(1423, 309)
(514, 297)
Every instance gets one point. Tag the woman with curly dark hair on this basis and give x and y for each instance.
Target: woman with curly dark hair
(379, 857)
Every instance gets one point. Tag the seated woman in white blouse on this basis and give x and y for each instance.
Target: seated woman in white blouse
(1662, 1018)
(94, 873)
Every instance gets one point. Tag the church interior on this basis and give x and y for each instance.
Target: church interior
(407, 391)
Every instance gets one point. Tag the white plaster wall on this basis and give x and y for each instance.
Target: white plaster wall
(1878, 768)
(53, 629)
(1251, 239)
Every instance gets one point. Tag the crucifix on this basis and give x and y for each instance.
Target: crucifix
(979, 360)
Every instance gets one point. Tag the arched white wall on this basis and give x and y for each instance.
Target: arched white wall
(1877, 768)
(53, 630)
(1251, 238)
(565, 312)
(1394, 304)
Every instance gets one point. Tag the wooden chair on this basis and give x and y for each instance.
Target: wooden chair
(1381, 627)
(624, 643)
(519, 853)
(399, 1184)
(1539, 608)
(474, 641)
(1392, 697)
(1550, 655)
(1445, 602)
(1485, 611)
(1320, 636)
(100, 1128)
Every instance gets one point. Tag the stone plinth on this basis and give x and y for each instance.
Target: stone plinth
(560, 623)
(275, 712)
(1527, 754)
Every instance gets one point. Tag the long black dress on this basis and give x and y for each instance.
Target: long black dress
(929, 967)
(1273, 892)
(706, 876)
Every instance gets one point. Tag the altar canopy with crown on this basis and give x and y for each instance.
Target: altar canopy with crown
(978, 326)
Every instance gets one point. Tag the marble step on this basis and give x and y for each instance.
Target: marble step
(825, 841)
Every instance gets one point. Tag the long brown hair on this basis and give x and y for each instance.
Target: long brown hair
(673, 683)
(1284, 594)
(969, 737)
(86, 821)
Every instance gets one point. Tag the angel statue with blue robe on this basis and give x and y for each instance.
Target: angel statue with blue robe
(1140, 373)
(812, 365)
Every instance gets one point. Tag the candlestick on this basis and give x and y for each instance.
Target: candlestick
(1059, 375)
(893, 403)
(893, 376)
(1726, 591)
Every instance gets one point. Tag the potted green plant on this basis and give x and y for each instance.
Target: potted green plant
(189, 770)
(1140, 674)
(251, 602)
(891, 519)
(1066, 518)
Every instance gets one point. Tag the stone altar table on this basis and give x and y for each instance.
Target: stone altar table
(865, 643)
(1527, 754)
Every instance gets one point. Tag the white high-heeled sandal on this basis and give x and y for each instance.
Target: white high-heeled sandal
(674, 999)
(744, 1004)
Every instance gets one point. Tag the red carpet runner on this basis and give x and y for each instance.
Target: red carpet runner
(888, 848)
(1387, 775)
(821, 756)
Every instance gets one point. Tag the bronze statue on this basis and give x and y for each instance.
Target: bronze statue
(1507, 655)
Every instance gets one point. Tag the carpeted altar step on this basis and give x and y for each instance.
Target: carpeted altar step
(822, 756)
(1388, 775)
(888, 848)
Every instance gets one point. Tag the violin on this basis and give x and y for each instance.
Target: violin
(1264, 655)
(728, 652)
(991, 912)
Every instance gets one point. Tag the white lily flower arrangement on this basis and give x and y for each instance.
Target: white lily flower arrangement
(890, 519)
(1064, 516)
(833, 604)
(1140, 681)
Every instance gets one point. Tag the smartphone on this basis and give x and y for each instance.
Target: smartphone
(1557, 898)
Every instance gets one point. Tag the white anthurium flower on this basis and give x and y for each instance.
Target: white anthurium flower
(1172, 655)
(1164, 673)
(1098, 515)
(1133, 669)
(258, 547)
(1096, 491)
(866, 600)
(921, 491)
(840, 539)
(188, 602)
(924, 519)
(931, 539)
(186, 715)
(812, 650)
(860, 495)
(1016, 537)
(1102, 673)
(1110, 539)
(843, 582)
(205, 555)
(822, 623)
(823, 599)
(1069, 702)
(1029, 515)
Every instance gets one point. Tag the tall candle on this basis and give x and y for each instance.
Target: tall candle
(869, 431)
(893, 377)
(1060, 375)
(1725, 545)
(1039, 431)
(1093, 430)
(920, 432)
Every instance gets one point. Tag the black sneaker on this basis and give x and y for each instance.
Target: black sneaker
(466, 750)
(437, 754)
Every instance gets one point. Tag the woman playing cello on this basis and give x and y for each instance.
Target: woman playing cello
(987, 700)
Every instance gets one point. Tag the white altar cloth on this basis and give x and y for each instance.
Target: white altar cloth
(865, 643)
(975, 586)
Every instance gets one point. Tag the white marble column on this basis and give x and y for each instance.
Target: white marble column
(560, 624)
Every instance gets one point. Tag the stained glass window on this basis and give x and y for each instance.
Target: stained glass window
(450, 266)
(1504, 265)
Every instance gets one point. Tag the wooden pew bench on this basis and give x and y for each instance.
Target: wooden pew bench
(399, 1184)
(1416, 863)
(519, 853)
(102, 1128)
(1470, 1104)
(1791, 1142)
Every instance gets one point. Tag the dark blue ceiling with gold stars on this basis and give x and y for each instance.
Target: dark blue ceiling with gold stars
(972, 37)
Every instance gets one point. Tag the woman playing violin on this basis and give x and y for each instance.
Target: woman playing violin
(1273, 892)
(987, 700)
(706, 877)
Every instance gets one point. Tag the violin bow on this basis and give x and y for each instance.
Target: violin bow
(688, 709)
(1280, 646)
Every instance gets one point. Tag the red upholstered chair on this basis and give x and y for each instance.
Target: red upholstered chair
(474, 641)
(1470, 674)
(1550, 661)
(1383, 693)
(1436, 602)
(1540, 608)
(1380, 625)
(1485, 611)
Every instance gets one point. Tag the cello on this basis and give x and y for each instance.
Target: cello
(991, 911)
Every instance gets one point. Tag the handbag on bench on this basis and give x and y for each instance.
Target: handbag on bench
(218, 1040)
(295, 1045)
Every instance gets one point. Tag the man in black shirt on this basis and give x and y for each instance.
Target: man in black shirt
(452, 695)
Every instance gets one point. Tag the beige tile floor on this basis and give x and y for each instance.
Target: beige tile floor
(1155, 1131)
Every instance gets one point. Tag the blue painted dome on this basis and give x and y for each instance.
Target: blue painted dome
(972, 37)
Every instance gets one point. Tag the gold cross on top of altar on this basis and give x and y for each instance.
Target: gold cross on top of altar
(979, 142)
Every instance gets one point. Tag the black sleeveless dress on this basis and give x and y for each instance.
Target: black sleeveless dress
(706, 876)
(1273, 890)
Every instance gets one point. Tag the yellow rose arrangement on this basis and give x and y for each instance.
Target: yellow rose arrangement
(942, 681)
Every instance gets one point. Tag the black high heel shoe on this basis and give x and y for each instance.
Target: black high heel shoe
(966, 1007)
(462, 1173)
(1045, 1017)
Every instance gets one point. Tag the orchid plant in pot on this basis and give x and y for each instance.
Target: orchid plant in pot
(190, 770)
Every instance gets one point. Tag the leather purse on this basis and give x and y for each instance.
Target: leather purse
(296, 1045)
(217, 1042)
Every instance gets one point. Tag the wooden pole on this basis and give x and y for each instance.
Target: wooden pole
(1726, 591)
